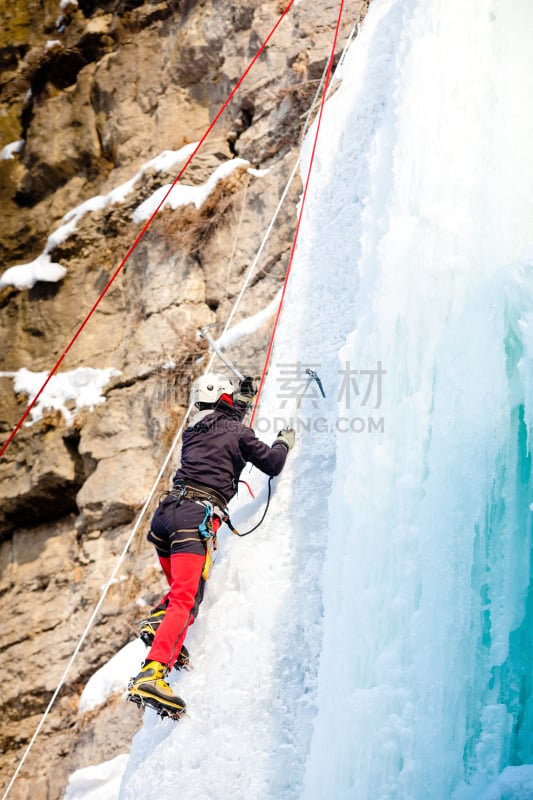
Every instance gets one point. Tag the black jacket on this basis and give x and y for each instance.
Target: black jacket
(216, 450)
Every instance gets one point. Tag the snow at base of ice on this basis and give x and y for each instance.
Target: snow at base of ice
(100, 782)
(113, 676)
(82, 385)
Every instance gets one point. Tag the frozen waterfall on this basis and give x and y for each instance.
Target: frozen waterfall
(426, 669)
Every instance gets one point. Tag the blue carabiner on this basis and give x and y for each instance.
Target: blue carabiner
(205, 527)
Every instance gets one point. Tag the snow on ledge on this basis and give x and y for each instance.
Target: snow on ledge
(183, 195)
(113, 676)
(259, 173)
(99, 782)
(42, 268)
(53, 45)
(11, 149)
(24, 276)
(250, 324)
(84, 385)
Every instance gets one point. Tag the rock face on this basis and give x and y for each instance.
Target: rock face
(91, 92)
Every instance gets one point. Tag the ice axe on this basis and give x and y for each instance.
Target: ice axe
(216, 349)
(312, 376)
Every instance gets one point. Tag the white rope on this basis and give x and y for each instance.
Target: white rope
(100, 602)
(263, 244)
(355, 30)
(254, 263)
(169, 454)
(268, 231)
(237, 233)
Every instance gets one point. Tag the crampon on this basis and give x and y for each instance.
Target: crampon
(162, 709)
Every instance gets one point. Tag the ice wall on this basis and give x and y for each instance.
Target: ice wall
(425, 674)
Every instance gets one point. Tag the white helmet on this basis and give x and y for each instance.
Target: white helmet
(209, 387)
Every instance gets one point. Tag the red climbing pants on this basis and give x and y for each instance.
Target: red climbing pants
(184, 571)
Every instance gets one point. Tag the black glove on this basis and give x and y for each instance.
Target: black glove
(247, 387)
(243, 400)
(287, 437)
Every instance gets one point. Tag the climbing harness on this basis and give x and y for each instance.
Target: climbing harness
(189, 490)
(215, 509)
(215, 506)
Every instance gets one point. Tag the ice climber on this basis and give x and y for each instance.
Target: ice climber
(216, 447)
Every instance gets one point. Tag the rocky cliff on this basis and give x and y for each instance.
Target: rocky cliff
(90, 94)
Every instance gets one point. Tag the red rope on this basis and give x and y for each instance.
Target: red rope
(291, 258)
(145, 228)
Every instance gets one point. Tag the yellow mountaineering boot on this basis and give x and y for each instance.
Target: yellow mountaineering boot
(149, 688)
(150, 625)
(148, 628)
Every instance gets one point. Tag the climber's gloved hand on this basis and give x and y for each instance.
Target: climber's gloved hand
(247, 387)
(287, 437)
(244, 398)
